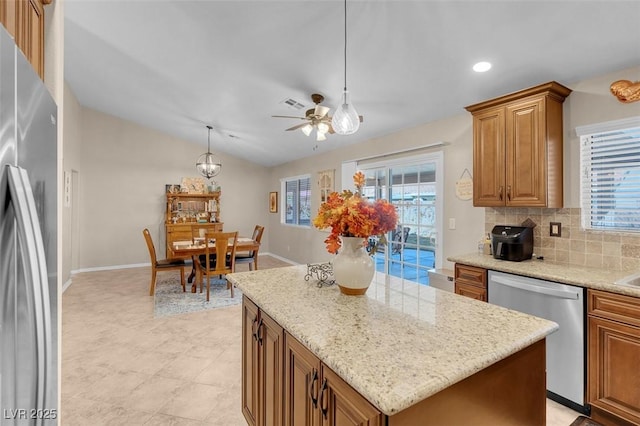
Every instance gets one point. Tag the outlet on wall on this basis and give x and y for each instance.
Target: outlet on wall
(555, 229)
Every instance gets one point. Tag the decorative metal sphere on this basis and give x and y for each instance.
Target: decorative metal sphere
(208, 165)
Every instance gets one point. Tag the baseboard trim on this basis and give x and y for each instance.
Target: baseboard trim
(109, 268)
(284, 259)
(141, 265)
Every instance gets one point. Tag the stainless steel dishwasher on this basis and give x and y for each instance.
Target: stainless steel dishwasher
(562, 304)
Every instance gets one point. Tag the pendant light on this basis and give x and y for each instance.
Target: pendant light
(345, 120)
(207, 164)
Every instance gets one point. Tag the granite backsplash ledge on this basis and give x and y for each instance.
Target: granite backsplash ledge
(599, 249)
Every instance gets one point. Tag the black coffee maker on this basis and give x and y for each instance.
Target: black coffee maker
(513, 243)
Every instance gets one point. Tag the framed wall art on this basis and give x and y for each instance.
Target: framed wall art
(273, 202)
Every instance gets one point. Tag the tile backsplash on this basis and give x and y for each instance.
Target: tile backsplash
(576, 246)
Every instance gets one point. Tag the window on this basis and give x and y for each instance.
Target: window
(297, 200)
(413, 184)
(610, 180)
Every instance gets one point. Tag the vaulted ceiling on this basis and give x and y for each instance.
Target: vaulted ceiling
(177, 66)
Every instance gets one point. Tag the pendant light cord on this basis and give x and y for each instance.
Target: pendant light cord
(345, 45)
(209, 140)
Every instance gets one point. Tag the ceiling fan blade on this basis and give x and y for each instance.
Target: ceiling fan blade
(331, 131)
(288, 116)
(299, 126)
(321, 111)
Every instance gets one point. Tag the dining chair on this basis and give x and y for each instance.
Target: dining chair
(162, 264)
(251, 257)
(219, 257)
(198, 231)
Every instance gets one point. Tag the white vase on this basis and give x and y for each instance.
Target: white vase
(353, 268)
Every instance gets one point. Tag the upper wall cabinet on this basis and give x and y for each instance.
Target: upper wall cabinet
(24, 19)
(517, 148)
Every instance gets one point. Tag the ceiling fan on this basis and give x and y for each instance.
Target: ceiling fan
(315, 118)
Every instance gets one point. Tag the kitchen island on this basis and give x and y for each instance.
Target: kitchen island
(412, 352)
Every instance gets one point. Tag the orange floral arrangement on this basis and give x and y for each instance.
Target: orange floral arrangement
(348, 214)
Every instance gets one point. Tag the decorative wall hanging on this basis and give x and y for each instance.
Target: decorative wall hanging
(626, 91)
(326, 184)
(193, 185)
(273, 202)
(464, 186)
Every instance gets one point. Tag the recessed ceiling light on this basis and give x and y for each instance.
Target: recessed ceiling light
(482, 67)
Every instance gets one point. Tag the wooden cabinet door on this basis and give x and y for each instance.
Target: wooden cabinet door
(33, 35)
(489, 158)
(613, 365)
(8, 16)
(301, 381)
(24, 20)
(471, 281)
(250, 385)
(270, 341)
(341, 405)
(526, 154)
(471, 291)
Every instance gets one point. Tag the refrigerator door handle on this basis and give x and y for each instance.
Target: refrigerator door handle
(562, 294)
(35, 270)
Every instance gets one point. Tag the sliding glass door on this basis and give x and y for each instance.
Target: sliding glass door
(413, 187)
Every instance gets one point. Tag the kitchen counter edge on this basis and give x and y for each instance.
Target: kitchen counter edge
(583, 276)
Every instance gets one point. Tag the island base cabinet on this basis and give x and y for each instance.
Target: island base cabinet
(340, 405)
(301, 376)
(262, 363)
(316, 396)
(509, 392)
(614, 358)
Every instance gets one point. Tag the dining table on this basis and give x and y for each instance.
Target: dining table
(194, 248)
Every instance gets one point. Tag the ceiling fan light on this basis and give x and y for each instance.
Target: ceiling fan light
(345, 120)
(307, 129)
(320, 136)
(321, 110)
(323, 127)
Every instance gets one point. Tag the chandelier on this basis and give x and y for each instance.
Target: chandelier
(208, 165)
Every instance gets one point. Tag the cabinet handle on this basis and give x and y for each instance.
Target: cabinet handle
(254, 333)
(259, 332)
(509, 193)
(500, 192)
(322, 405)
(314, 398)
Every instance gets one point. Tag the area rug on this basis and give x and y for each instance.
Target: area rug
(584, 421)
(170, 300)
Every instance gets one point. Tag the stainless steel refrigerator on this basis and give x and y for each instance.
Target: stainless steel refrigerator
(28, 239)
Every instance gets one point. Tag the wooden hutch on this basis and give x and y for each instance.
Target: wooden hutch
(185, 210)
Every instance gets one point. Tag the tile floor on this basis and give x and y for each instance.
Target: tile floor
(121, 366)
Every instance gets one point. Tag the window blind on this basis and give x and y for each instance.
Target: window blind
(610, 181)
(298, 201)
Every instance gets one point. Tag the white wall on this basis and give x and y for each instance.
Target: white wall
(70, 161)
(306, 245)
(590, 102)
(123, 169)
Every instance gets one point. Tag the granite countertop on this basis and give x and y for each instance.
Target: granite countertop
(595, 278)
(399, 344)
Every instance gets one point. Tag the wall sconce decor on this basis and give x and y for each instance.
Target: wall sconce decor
(626, 91)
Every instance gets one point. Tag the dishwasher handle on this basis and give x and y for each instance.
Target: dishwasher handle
(562, 294)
